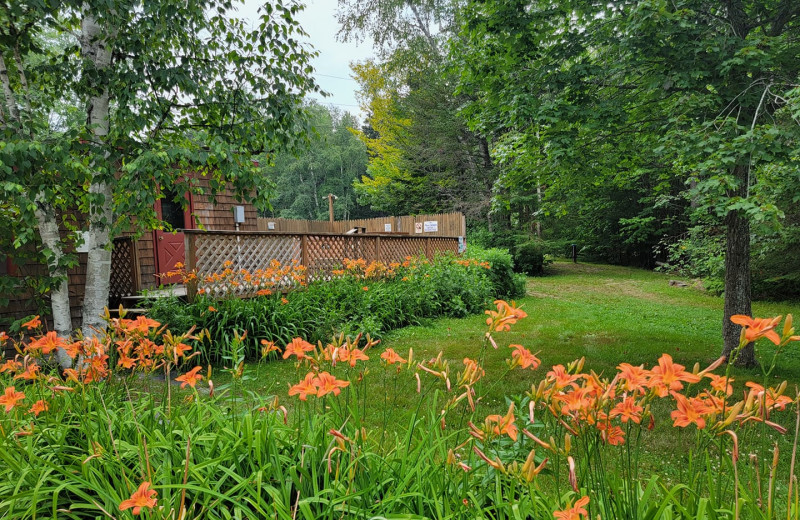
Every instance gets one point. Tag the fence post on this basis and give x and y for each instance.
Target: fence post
(191, 264)
(377, 249)
(304, 251)
(428, 248)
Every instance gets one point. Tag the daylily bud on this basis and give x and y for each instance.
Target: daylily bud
(451, 456)
(787, 326)
(567, 442)
(696, 368)
(531, 408)
(573, 479)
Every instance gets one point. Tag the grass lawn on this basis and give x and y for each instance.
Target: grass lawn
(606, 313)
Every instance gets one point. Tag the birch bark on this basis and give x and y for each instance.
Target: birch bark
(95, 48)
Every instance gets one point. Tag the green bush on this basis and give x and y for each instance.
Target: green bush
(445, 287)
(529, 258)
(506, 284)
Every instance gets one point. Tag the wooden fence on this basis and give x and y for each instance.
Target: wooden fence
(445, 225)
(320, 253)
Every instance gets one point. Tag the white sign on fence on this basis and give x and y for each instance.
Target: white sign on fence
(270, 225)
(387, 228)
(431, 226)
(417, 227)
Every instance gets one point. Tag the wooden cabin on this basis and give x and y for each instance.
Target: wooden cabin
(137, 263)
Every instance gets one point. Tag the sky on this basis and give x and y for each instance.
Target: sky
(332, 66)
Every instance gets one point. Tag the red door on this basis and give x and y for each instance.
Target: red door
(169, 245)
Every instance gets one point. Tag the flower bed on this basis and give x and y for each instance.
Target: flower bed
(80, 444)
(361, 298)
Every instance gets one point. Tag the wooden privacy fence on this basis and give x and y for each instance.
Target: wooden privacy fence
(446, 224)
(208, 251)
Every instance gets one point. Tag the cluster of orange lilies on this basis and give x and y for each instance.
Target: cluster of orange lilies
(586, 404)
(140, 344)
(261, 282)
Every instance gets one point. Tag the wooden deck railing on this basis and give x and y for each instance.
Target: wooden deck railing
(319, 253)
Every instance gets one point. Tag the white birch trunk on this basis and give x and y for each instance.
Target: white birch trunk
(59, 296)
(98, 267)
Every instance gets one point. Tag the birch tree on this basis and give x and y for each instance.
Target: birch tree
(105, 101)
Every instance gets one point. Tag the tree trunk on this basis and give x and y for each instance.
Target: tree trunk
(737, 277)
(98, 267)
(59, 295)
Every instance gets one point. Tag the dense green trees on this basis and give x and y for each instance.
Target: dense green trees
(423, 158)
(647, 96)
(333, 159)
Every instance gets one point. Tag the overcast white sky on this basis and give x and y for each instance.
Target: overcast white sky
(332, 66)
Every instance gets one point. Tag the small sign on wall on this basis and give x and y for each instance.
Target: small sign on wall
(417, 227)
(431, 226)
(271, 225)
(387, 228)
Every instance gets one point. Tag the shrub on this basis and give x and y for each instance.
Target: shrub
(506, 284)
(530, 259)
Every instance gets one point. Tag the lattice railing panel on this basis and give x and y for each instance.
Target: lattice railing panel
(326, 252)
(319, 253)
(443, 245)
(397, 249)
(124, 279)
(227, 256)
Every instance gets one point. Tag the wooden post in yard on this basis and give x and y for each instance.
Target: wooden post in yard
(428, 248)
(331, 196)
(191, 263)
(377, 249)
(304, 251)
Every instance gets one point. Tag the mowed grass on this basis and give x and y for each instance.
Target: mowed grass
(607, 314)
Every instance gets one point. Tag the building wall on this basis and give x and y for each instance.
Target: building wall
(211, 216)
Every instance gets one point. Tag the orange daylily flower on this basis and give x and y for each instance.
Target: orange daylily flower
(211, 308)
(327, 384)
(10, 366)
(269, 346)
(31, 372)
(505, 316)
(559, 375)
(191, 377)
(39, 407)
(351, 356)
(10, 398)
(144, 324)
(297, 347)
(391, 357)
(142, 497)
(613, 435)
(576, 400)
(35, 323)
(758, 327)
(667, 376)
(47, 343)
(284, 301)
(524, 358)
(689, 411)
(627, 410)
(635, 378)
(503, 425)
(73, 349)
(573, 512)
(181, 349)
(305, 387)
(769, 397)
(721, 384)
